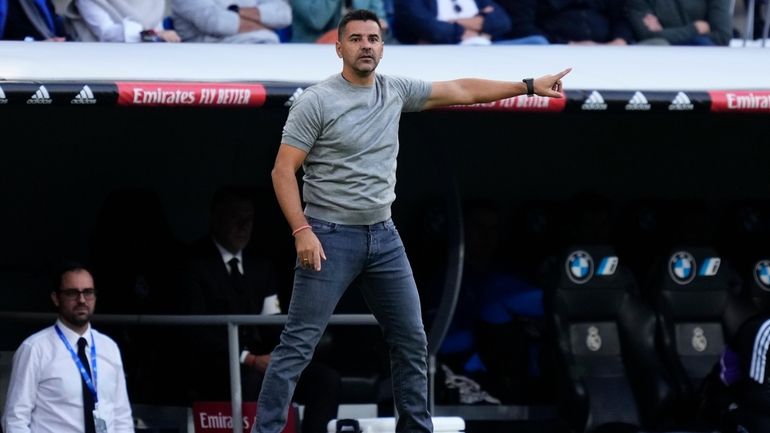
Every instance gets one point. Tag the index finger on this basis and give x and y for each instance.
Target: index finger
(563, 73)
(316, 261)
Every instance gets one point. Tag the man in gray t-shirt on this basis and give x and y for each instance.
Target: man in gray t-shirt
(350, 136)
(344, 133)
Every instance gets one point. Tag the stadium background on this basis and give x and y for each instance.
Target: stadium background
(61, 160)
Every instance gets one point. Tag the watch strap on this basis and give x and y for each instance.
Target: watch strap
(530, 82)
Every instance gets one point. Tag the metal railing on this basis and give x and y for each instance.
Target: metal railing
(232, 322)
(750, 14)
(435, 333)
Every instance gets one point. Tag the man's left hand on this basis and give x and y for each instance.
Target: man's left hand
(550, 85)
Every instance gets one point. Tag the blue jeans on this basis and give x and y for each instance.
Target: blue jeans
(526, 40)
(698, 41)
(375, 255)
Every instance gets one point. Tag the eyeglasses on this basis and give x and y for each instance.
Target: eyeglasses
(457, 6)
(72, 294)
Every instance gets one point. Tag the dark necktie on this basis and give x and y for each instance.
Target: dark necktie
(235, 274)
(88, 398)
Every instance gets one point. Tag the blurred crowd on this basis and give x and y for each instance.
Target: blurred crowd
(467, 22)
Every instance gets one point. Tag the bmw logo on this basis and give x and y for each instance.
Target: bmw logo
(762, 274)
(579, 267)
(681, 267)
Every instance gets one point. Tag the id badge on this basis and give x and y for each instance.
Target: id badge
(99, 423)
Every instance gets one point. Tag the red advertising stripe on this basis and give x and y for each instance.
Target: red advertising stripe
(740, 101)
(216, 417)
(191, 94)
(537, 104)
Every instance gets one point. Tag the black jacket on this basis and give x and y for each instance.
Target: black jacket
(562, 21)
(207, 288)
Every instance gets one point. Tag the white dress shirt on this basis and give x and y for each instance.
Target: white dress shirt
(227, 256)
(45, 394)
(210, 21)
(107, 30)
(448, 12)
(270, 305)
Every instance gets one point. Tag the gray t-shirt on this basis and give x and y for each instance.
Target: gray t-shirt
(350, 134)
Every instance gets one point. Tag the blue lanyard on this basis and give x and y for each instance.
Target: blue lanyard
(86, 378)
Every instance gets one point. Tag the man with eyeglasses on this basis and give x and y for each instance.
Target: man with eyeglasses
(68, 378)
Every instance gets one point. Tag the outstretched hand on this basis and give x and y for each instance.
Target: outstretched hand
(550, 85)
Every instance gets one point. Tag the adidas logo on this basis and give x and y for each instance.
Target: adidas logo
(594, 102)
(293, 97)
(40, 97)
(3, 100)
(86, 96)
(638, 102)
(680, 103)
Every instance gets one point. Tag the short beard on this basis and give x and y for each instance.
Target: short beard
(76, 320)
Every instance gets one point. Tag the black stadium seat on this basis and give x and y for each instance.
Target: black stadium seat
(605, 337)
(691, 288)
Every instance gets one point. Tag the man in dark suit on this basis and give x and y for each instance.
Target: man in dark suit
(222, 277)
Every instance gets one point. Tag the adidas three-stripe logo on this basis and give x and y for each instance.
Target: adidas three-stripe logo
(638, 102)
(41, 96)
(85, 96)
(680, 103)
(594, 102)
(294, 97)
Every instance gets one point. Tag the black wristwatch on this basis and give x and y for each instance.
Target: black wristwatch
(530, 82)
(234, 8)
